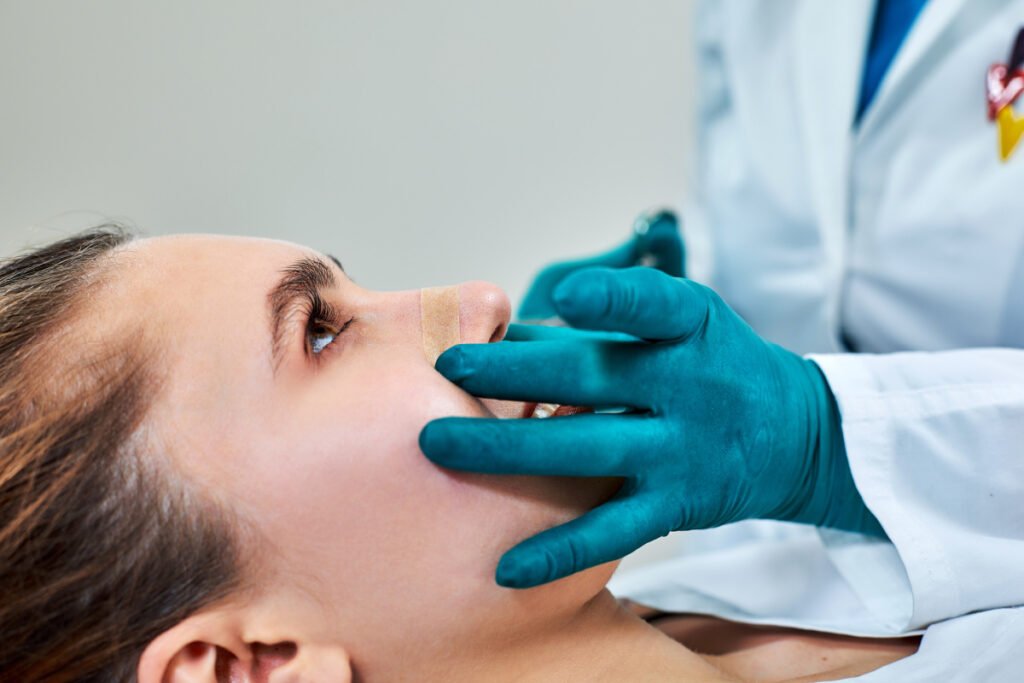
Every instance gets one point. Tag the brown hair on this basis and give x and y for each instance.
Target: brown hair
(101, 547)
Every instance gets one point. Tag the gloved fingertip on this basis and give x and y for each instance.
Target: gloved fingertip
(430, 440)
(520, 570)
(453, 364)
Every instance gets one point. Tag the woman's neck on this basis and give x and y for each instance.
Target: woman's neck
(600, 642)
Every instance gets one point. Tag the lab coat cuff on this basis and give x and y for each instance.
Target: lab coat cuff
(906, 581)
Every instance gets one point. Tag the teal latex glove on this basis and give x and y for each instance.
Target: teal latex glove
(655, 242)
(720, 425)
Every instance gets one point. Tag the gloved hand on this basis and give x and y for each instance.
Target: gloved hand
(720, 425)
(655, 242)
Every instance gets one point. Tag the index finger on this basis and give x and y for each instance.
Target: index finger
(574, 446)
(574, 372)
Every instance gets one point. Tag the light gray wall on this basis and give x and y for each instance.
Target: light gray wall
(421, 142)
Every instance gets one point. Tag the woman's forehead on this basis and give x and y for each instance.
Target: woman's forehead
(215, 251)
(202, 299)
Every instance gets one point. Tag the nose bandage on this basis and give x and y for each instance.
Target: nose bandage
(439, 320)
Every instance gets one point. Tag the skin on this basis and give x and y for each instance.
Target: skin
(369, 563)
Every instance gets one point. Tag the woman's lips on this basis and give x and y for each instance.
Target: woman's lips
(545, 410)
(530, 409)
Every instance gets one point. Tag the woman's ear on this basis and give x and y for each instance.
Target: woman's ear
(314, 664)
(211, 648)
(189, 652)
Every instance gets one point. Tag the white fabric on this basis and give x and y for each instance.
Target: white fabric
(935, 444)
(758, 573)
(906, 233)
(902, 234)
(977, 648)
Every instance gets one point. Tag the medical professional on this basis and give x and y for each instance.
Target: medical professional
(837, 396)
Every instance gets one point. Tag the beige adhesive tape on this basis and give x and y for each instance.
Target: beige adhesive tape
(439, 320)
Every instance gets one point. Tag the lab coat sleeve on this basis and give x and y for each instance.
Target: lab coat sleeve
(936, 445)
(977, 647)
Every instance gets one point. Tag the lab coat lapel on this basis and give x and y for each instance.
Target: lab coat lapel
(919, 51)
(830, 44)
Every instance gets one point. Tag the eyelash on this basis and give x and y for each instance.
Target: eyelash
(320, 313)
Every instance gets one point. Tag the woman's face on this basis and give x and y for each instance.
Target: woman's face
(316, 443)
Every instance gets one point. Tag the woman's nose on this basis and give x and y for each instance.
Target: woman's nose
(471, 313)
(484, 312)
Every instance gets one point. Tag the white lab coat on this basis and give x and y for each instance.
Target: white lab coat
(905, 237)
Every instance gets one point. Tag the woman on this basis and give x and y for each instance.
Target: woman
(209, 472)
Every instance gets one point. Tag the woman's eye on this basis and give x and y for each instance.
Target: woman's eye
(321, 336)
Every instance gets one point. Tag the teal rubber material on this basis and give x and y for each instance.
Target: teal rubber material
(655, 241)
(705, 422)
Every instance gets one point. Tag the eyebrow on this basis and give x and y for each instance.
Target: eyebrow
(302, 280)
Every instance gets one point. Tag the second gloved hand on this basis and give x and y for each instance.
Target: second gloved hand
(719, 424)
(655, 242)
